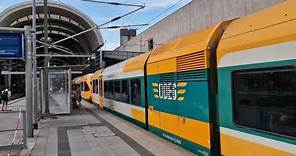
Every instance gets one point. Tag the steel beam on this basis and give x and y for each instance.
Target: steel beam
(57, 55)
(35, 92)
(29, 81)
(9, 29)
(46, 61)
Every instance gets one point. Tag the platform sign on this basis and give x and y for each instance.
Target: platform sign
(11, 46)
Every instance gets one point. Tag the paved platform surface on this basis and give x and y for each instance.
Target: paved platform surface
(8, 125)
(92, 132)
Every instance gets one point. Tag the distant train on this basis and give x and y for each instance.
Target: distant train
(229, 89)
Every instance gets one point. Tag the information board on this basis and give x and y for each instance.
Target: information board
(11, 46)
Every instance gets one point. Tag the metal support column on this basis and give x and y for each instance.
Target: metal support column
(35, 92)
(46, 61)
(24, 129)
(29, 81)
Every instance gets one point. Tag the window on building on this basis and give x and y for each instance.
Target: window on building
(125, 91)
(264, 99)
(135, 91)
(150, 44)
(117, 92)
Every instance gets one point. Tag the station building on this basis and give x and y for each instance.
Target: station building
(63, 21)
(195, 16)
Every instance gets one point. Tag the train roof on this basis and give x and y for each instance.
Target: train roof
(136, 63)
(87, 76)
(133, 65)
(97, 73)
(195, 42)
(272, 25)
(77, 80)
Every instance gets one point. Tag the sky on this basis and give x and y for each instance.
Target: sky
(101, 13)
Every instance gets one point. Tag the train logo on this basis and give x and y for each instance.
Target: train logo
(169, 90)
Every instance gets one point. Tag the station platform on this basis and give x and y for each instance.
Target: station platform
(93, 132)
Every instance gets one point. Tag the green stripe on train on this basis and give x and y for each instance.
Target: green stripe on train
(192, 100)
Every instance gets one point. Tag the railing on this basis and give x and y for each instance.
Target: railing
(12, 144)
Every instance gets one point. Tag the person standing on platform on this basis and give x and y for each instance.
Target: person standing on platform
(78, 96)
(4, 97)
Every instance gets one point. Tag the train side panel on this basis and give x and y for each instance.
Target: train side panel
(124, 89)
(257, 84)
(181, 108)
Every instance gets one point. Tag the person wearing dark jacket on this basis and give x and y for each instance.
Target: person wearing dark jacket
(4, 97)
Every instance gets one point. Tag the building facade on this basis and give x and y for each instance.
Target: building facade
(196, 15)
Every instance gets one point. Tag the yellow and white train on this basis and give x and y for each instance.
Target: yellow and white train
(229, 89)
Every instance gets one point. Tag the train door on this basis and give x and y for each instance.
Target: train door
(152, 96)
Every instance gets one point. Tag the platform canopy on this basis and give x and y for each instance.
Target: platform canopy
(63, 21)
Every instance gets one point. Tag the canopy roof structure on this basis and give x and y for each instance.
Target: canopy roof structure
(63, 21)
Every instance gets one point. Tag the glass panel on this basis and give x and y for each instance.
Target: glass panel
(117, 93)
(265, 99)
(106, 89)
(136, 92)
(125, 91)
(59, 92)
(111, 89)
(97, 86)
(94, 86)
(100, 86)
(85, 87)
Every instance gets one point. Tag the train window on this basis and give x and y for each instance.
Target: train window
(135, 91)
(97, 86)
(94, 86)
(100, 87)
(106, 89)
(117, 93)
(85, 87)
(265, 100)
(125, 91)
(111, 89)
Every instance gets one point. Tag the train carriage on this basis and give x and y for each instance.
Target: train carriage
(124, 89)
(229, 89)
(257, 83)
(181, 104)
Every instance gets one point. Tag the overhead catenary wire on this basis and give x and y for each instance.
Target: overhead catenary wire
(123, 26)
(164, 11)
(115, 3)
(96, 27)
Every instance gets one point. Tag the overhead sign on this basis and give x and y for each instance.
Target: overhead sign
(11, 46)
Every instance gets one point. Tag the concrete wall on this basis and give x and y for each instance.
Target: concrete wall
(195, 16)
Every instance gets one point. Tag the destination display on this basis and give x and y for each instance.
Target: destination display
(11, 46)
